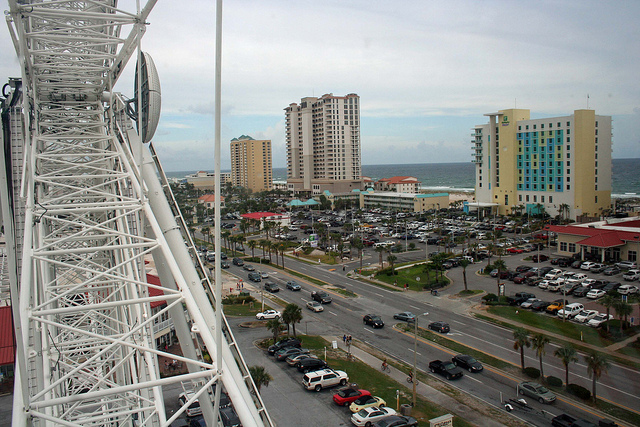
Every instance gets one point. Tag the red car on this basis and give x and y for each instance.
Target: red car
(346, 396)
(515, 250)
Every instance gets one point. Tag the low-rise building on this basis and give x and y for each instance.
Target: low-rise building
(203, 180)
(208, 201)
(398, 184)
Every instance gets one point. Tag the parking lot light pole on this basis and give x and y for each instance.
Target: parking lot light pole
(415, 356)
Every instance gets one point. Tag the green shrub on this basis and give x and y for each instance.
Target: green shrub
(532, 372)
(238, 299)
(490, 298)
(554, 381)
(488, 269)
(579, 391)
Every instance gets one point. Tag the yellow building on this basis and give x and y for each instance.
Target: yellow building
(251, 163)
(559, 164)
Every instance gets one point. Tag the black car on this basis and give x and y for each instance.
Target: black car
(309, 365)
(564, 262)
(229, 417)
(283, 353)
(539, 258)
(581, 291)
(373, 320)
(405, 316)
(611, 287)
(321, 296)
(287, 342)
(522, 268)
(238, 262)
(610, 271)
(544, 270)
(540, 305)
(446, 369)
(293, 285)
(467, 362)
(271, 287)
(224, 264)
(255, 277)
(441, 327)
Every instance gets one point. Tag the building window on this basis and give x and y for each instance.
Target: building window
(550, 197)
(520, 197)
(541, 199)
(563, 246)
(535, 199)
(568, 187)
(527, 197)
(572, 247)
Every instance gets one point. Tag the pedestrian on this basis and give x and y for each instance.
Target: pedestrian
(344, 268)
(406, 286)
(241, 285)
(237, 285)
(395, 283)
(344, 338)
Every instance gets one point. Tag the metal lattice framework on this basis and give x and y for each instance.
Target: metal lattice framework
(90, 208)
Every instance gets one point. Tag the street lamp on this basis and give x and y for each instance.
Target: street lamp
(415, 356)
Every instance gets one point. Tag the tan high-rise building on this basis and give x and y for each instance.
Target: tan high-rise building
(251, 163)
(323, 144)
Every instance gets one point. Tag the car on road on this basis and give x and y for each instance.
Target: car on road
(366, 402)
(373, 320)
(536, 391)
(597, 321)
(321, 296)
(405, 316)
(263, 274)
(287, 342)
(254, 277)
(585, 315)
(293, 285)
(315, 306)
(347, 395)
(368, 416)
(626, 265)
(324, 378)
(611, 271)
(224, 264)
(596, 293)
(308, 365)
(283, 353)
(447, 369)
(239, 262)
(439, 326)
(467, 362)
(249, 267)
(268, 314)
(271, 287)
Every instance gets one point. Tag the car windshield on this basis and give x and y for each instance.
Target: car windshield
(449, 365)
(470, 360)
(542, 389)
(362, 413)
(375, 318)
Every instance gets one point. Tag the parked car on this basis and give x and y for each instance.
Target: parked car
(587, 265)
(268, 314)
(626, 265)
(570, 310)
(271, 287)
(536, 391)
(529, 302)
(192, 410)
(631, 275)
(597, 268)
(522, 268)
(287, 342)
(295, 358)
(347, 395)
(596, 293)
(238, 262)
(405, 316)
(373, 320)
(292, 285)
(611, 287)
(581, 291)
(229, 417)
(585, 315)
(597, 321)
(397, 421)
(324, 378)
(539, 258)
(447, 369)
(627, 289)
(555, 306)
(519, 297)
(368, 416)
(611, 271)
(540, 305)
(439, 326)
(315, 306)
(283, 353)
(308, 365)
(366, 402)
(467, 362)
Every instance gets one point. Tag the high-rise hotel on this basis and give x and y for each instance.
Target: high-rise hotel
(251, 163)
(562, 164)
(323, 144)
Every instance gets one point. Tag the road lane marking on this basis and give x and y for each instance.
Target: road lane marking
(369, 330)
(380, 295)
(464, 324)
(332, 313)
(413, 306)
(474, 379)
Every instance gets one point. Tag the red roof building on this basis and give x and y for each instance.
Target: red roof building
(209, 199)
(398, 184)
(7, 340)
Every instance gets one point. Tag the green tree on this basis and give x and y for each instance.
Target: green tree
(538, 342)
(499, 265)
(206, 232)
(291, 315)
(521, 337)
(566, 354)
(464, 264)
(273, 326)
(260, 376)
(623, 309)
(608, 301)
(252, 245)
(391, 260)
(597, 364)
(381, 250)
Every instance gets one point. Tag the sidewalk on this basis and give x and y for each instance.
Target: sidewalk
(427, 392)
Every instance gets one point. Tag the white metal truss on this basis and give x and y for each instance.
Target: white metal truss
(92, 208)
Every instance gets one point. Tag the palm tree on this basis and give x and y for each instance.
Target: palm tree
(273, 326)
(464, 263)
(597, 364)
(206, 231)
(252, 245)
(566, 354)
(538, 341)
(521, 337)
(499, 265)
(623, 309)
(282, 247)
(608, 301)
(381, 250)
(263, 244)
(260, 376)
(291, 315)
(391, 259)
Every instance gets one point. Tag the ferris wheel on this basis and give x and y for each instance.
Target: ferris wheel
(86, 210)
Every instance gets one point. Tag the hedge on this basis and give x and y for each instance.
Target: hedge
(532, 372)
(579, 391)
(554, 381)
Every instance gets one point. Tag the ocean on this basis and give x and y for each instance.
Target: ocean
(461, 176)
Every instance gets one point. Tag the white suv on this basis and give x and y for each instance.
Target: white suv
(570, 310)
(317, 380)
(631, 275)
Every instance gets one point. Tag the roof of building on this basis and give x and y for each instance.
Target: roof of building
(154, 292)
(209, 198)
(602, 234)
(259, 215)
(7, 342)
(426, 195)
(242, 137)
(400, 180)
(607, 239)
